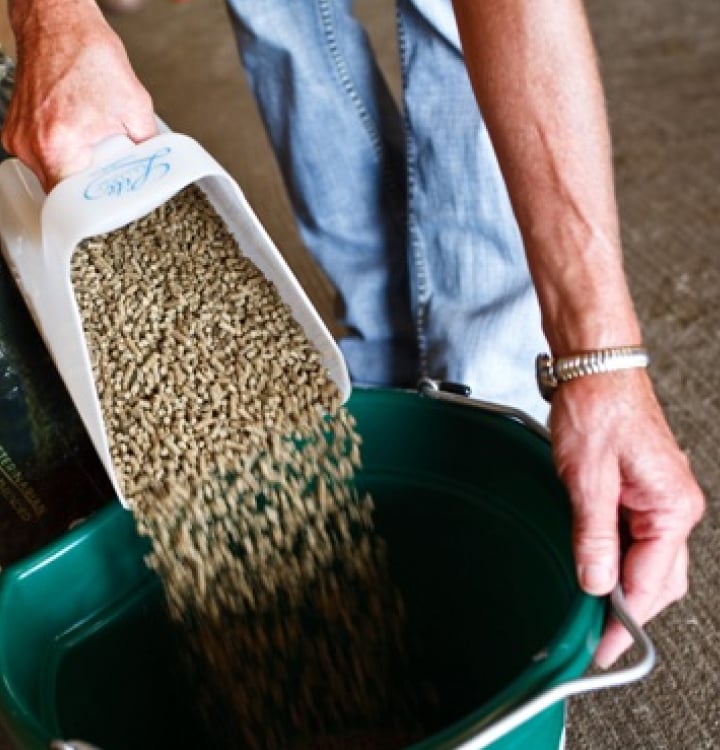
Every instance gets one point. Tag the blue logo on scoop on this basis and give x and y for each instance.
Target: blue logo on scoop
(128, 175)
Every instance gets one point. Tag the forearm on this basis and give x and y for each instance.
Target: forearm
(32, 18)
(533, 69)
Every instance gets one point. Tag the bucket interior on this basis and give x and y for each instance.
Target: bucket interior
(478, 534)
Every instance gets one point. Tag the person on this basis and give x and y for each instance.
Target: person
(460, 243)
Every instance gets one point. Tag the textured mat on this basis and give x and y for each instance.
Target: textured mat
(661, 66)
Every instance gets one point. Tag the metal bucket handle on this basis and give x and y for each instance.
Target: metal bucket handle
(478, 739)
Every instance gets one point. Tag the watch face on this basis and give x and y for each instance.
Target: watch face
(545, 376)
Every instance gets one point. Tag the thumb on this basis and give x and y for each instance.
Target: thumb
(73, 160)
(141, 125)
(596, 547)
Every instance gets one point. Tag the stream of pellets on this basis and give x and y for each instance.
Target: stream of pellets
(238, 463)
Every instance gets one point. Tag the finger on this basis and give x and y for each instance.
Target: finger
(141, 131)
(70, 150)
(5, 138)
(140, 123)
(594, 492)
(51, 153)
(31, 161)
(69, 163)
(645, 598)
(57, 152)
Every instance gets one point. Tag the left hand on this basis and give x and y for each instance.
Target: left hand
(75, 87)
(620, 463)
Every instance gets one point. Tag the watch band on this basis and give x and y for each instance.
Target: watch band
(550, 371)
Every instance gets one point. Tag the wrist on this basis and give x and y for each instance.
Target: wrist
(578, 272)
(593, 330)
(602, 399)
(551, 371)
(29, 18)
(587, 314)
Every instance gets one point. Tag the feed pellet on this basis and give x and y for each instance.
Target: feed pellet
(238, 463)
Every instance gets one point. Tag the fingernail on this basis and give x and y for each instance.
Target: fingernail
(595, 578)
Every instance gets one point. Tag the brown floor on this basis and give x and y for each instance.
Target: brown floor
(661, 63)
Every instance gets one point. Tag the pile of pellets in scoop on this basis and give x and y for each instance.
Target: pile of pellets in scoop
(238, 463)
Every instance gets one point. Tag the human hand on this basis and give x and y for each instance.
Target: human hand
(74, 88)
(623, 469)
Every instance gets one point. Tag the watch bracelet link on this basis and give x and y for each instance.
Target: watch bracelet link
(551, 371)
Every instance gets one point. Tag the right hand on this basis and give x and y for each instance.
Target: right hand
(74, 88)
(635, 500)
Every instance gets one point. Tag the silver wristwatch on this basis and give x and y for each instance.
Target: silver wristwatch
(550, 371)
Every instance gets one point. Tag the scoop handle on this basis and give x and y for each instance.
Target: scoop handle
(114, 146)
(125, 180)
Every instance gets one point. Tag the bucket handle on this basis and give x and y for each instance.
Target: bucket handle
(450, 392)
(478, 739)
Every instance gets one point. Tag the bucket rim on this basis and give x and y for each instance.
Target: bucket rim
(17, 717)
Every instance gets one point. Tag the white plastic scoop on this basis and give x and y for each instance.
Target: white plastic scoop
(39, 234)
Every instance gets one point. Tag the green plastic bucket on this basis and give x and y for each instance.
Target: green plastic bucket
(478, 533)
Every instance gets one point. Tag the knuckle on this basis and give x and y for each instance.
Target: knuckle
(689, 505)
(698, 506)
(595, 523)
(8, 141)
(11, 140)
(679, 589)
(591, 543)
(673, 591)
(48, 143)
(642, 591)
(568, 471)
(580, 484)
(145, 98)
